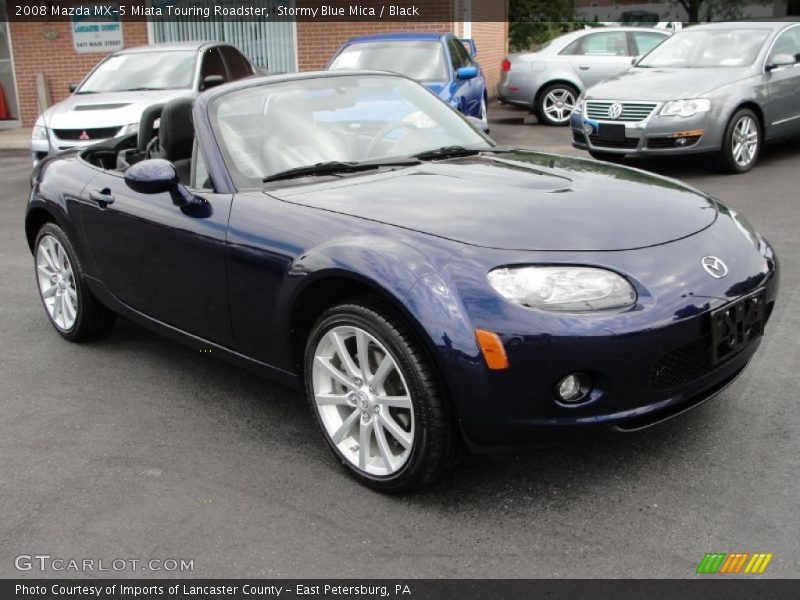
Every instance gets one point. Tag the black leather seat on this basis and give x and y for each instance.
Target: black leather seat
(147, 126)
(176, 135)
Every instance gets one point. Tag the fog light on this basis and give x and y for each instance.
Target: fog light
(573, 388)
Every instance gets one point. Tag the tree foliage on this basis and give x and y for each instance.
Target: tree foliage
(534, 22)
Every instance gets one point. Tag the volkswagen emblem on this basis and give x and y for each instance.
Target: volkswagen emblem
(615, 110)
(83, 136)
(714, 266)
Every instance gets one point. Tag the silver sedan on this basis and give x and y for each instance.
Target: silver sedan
(549, 80)
(723, 88)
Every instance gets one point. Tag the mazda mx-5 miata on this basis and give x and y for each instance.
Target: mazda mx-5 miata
(351, 233)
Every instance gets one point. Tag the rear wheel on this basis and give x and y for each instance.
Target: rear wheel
(742, 142)
(556, 103)
(72, 309)
(608, 156)
(376, 400)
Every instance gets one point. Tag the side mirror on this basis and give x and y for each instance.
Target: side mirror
(211, 81)
(467, 73)
(481, 126)
(73, 87)
(782, 59)
(152, 176)
(157, 176)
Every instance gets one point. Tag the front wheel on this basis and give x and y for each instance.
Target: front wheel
(72, 309)
(742, 142)
(376, 400)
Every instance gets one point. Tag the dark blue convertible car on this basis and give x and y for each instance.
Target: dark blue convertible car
(351, 233)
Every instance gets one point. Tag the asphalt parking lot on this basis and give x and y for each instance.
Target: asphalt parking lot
(137, 448)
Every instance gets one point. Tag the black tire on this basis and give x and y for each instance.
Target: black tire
(559, 89)
(92, 319)
(437, 446)
(608, 156)
(727, 160)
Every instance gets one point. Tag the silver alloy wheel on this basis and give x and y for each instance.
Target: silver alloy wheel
(363, 400)
(56, 282)
(745, 141)
(559, 104)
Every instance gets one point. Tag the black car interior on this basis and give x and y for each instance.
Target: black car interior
(172, 140)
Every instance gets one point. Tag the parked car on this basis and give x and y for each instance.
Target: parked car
(109, 101)
(351, 234)
(440, 62)
(550, 80)
(723, 88)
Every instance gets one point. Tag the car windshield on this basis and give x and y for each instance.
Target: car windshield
(423, 61)
(142, 71)
(352, 119)
(707, 48)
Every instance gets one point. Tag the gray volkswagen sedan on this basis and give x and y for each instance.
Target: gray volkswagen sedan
(722, 88)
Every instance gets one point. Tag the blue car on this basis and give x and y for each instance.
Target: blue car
(350, 234)
(440, 62)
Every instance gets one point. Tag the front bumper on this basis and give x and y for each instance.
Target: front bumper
(646, 364)
(655, 136)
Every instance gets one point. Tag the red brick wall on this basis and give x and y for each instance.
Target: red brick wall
(490, 32)
(56, 58)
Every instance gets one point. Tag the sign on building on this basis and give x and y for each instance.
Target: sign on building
(98, 31)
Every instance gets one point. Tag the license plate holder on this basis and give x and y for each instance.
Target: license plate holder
(735, 325)
(611, 132)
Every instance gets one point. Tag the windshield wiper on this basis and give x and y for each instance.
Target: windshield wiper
(337, 166)
(456, 151)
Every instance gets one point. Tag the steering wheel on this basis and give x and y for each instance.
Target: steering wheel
(386, 130)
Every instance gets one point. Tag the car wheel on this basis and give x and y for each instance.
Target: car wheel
(556, 103)
(376, 399)
(72, 309)
(742, 142)
(611, 157)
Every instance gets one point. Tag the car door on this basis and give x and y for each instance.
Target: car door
(598, 56)
(159, 259)
(465, 94)
(783, 86)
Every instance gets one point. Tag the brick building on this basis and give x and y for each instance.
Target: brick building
(46, 49)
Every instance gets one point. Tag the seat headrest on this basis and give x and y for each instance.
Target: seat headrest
(176, 131)
(146, 126)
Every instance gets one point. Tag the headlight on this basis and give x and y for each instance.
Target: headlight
(686, 108)
(132, 128)
(564, 289)
(38, 133)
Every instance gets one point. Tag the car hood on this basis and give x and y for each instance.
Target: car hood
(520, 201)
(661, 85)
(111, 109)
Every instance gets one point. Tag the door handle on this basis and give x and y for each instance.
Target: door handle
(101, 197)
(583, 67)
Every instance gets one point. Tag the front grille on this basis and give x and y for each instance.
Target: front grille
(628, 143)
(668, 142)
(682, 366)
(100, 133)
(631, 111)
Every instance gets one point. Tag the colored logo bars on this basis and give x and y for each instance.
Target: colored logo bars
(734, 562)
